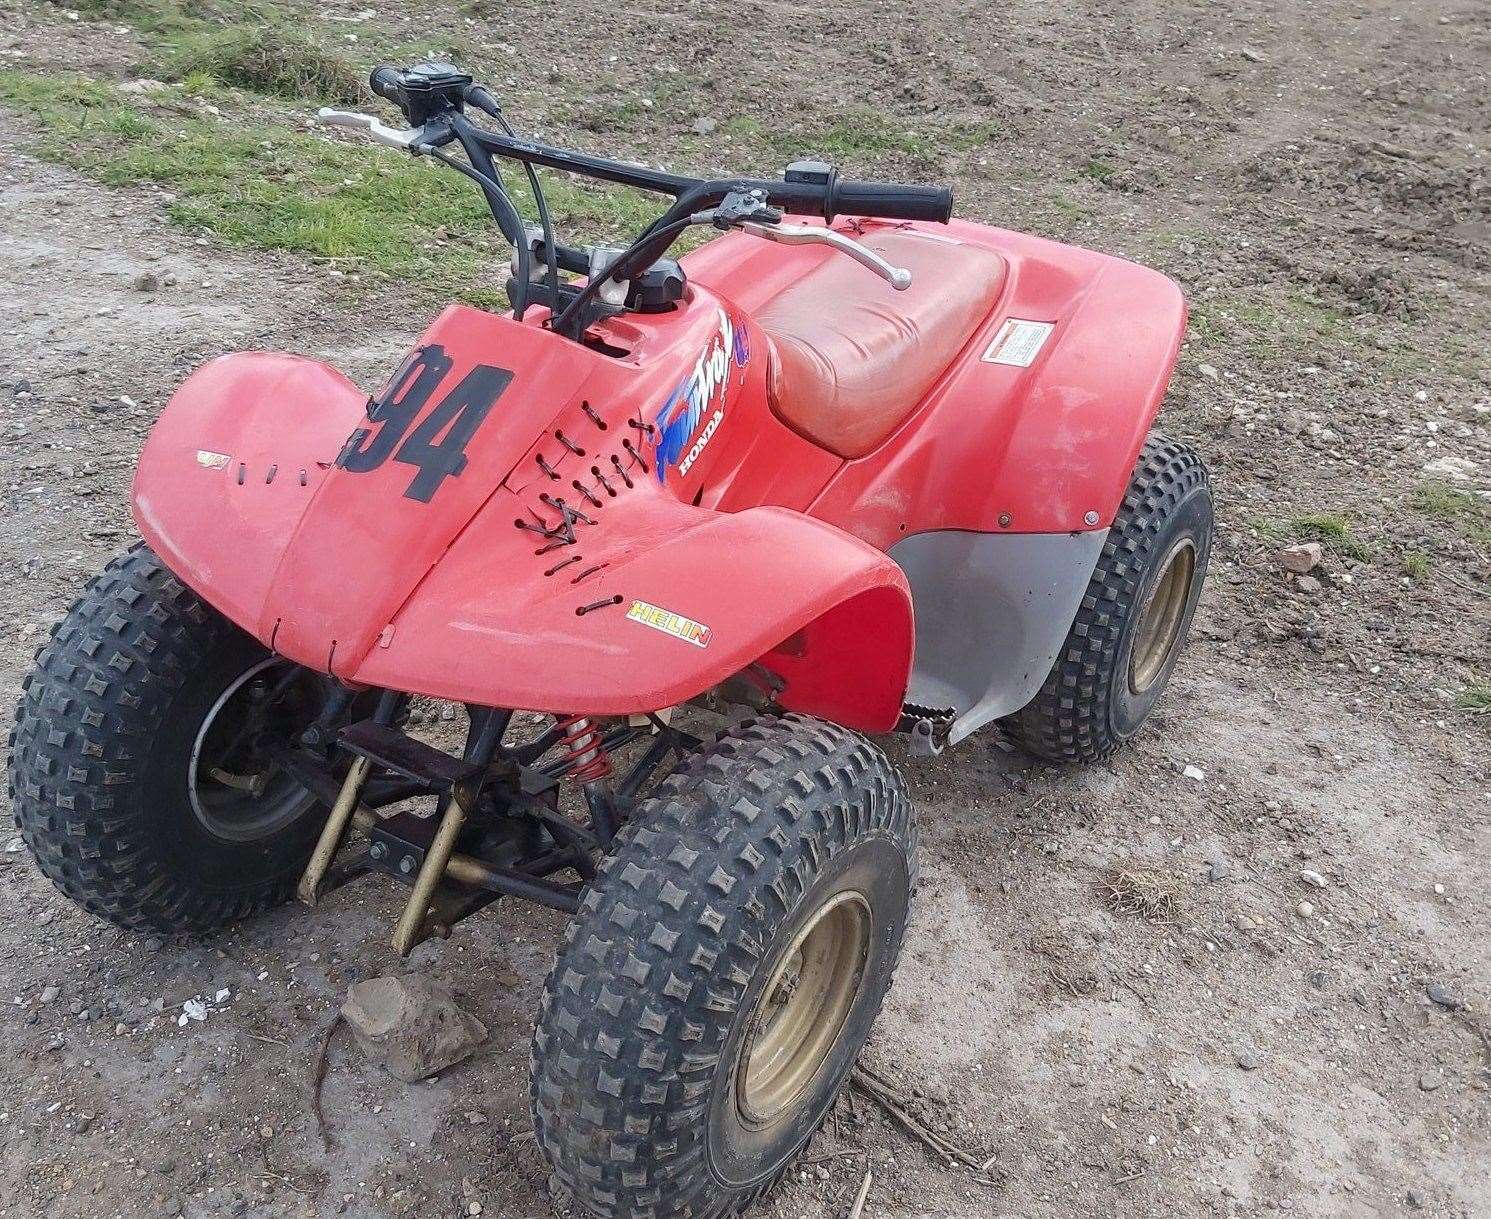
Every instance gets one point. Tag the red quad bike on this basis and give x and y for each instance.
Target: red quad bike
(862, 470)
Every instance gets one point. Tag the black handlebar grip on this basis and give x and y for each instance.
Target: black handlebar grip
(388, 83)
(889, 201)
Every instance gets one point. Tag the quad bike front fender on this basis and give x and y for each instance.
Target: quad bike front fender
(462, 605)
(676, 599)
(231, 466)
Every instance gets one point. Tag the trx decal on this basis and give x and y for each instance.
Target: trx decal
(700, 395)
(669, 623)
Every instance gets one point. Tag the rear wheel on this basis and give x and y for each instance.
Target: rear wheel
(1123, 645)
(723, 972)
(141, 767)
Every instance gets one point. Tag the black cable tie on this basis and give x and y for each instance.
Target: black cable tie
(594, 418)
(568, 443)
(586, 492)
(621, 469)
(636, 456)
(546, 467)
(571, 515)
(574, 558)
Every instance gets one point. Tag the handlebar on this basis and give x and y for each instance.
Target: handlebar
(891, 202)
(388, 83)
(433, 98)
(433, 91)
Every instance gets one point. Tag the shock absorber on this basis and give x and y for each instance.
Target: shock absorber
(583, 749)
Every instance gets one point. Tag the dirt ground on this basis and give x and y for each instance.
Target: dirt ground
(1316, 177)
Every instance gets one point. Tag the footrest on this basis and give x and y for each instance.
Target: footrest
(392, 750)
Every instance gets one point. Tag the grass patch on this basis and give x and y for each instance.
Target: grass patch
(1469, 514)
(1333, 531)
(1328, 528)
(247, 46)
(274, 188)
(1476, 698)
(1415, 565)
(271, 59)
(1276, 329)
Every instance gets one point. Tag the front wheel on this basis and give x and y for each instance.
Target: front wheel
(1133, 620)
(723, 972)
(141, 765)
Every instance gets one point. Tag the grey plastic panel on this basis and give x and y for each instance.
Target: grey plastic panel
(992, 610)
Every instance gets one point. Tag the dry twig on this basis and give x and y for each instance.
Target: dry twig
(895, 1107)
(858, 1208)
(318, 1077)
(1141, 891)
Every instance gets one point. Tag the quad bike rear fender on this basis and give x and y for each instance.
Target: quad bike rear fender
(239, 492)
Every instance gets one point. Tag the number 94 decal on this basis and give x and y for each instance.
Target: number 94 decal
(437, 447)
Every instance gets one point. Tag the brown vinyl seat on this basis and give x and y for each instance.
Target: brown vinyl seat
(852, 357)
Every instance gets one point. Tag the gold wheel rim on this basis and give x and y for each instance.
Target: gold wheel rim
(803, 1009)
(1159, 623)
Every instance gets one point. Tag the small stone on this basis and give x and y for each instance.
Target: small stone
(704, 126)
(1443, 996)
(1414, 1199)
(1318, 979)
(1249, 1060)
(49, 994)
(474, 1209)
(473, 1118)
(266, 1131)
(1250, 55)
(1305, 909)
(1307, 584)
(146, 282)
(1195, 773)
(1219, 868)
(1314, 878)
(1430, 1080)
(1456, 469)
(1209, 372)
(1301, 558)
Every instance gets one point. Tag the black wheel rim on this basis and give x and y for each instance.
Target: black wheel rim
(238, 793)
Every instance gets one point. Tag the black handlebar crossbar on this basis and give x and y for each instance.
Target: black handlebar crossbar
(824, 194)
(432, 95)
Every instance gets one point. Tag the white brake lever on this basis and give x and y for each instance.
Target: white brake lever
(800, 234)
(398, 137)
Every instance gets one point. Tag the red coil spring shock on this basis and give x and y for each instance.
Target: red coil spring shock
(583, 749)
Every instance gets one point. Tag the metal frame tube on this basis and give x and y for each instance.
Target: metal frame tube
(411, 922)
(309, 889)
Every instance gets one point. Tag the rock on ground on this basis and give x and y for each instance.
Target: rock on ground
(410, 1026)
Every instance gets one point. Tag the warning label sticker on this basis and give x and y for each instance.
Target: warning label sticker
(1018, 342)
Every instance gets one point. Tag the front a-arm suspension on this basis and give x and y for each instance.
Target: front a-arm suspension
(497, 829)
